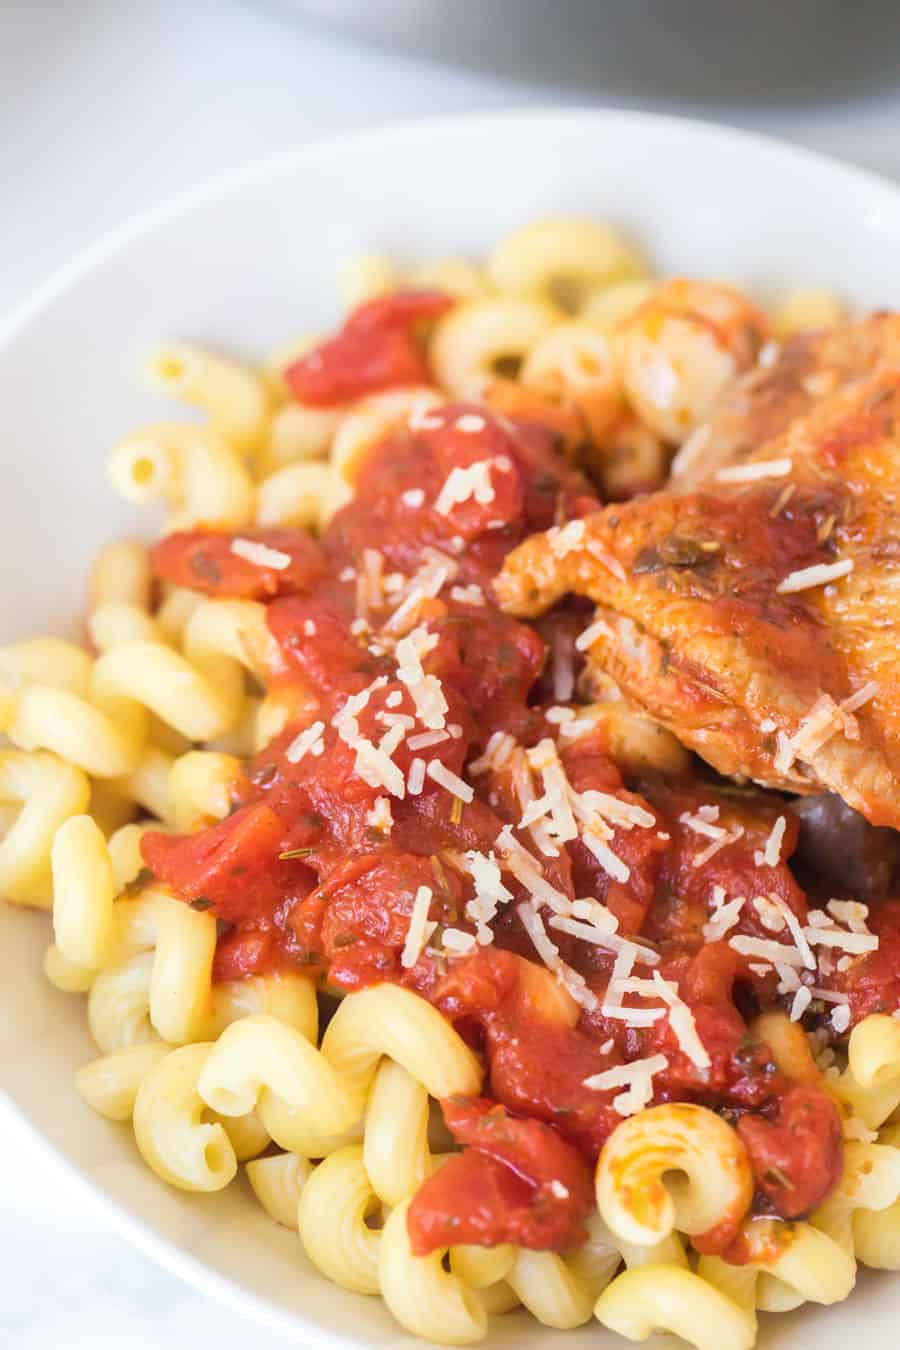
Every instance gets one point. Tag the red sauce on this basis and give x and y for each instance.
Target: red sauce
(302, 876)
(515, 1181)
(203, 560)
(375, 349)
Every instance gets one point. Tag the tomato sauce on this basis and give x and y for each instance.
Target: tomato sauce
(318, 866)
(375, 349)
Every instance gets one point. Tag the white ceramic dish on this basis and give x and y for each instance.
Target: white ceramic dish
(242, 265)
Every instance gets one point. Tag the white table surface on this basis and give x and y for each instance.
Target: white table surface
(108, 107)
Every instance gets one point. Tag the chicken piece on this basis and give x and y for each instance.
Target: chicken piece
(791, 680)
(783, 386)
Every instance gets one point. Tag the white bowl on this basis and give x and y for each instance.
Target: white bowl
(242, 265)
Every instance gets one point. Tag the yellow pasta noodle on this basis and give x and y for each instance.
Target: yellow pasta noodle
(334, 1205)
(574, 364)
(193, 470)
(471, 341)
(259, 1055)
(200, 703)
(293, 495)
(200, 788)
(48, 791)
(389, 1020)
(713, 1180)
(424, 1298)
(803, 311)
(148, 783)
(549, 1289)
(562, 254)
(233, 395)
(173, 1137)
(277, 1182)
(120, 574)
(870, 1085)
(110, 1084)
(50, 661)
(83, 890)
(607, 306)
(396, 1134)
(117, 621)
(670, 1298)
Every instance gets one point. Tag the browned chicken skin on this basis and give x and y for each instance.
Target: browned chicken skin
(694, 621)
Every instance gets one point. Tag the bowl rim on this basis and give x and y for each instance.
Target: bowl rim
(174, 1258)
(115, 239)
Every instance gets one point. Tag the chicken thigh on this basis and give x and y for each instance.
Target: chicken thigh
(753, 605)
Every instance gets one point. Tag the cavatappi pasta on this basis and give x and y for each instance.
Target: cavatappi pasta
(328, 840)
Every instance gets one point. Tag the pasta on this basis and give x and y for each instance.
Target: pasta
(234, 397)
(170, 1132)
(195, 470)
(334, 1205)
(404, 906)
(425, 1299)
(714, 1176)
(277, 1182)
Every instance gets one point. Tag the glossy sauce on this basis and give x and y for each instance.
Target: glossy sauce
(302, 879)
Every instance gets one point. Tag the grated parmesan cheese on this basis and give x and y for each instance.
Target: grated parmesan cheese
(420, 928)
(604, 938)
(586, 639)
(526, 870)
(497, 751)
(724, 917)
(308, 742)
(467, 595)
(462, 485)
(819, 575)
(857, 943)
(490, 892)
(770, 856)
(749, 473)
(446, 778)
(611, 563)
(861, 697)
(700, 822)
(413, 497)
(415, 779)
(260, 554)
(380, 817)
(457, 940)
(470, 423)
(571, 981)
(427, 739)
(682, 1022)
(425, 690)
(802, 1000)
(611, 863)
(636, 1078)
(795, 930)
(768, 950)
(731, 837)
(566, 539)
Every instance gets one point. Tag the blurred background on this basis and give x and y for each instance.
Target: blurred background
(108, 107)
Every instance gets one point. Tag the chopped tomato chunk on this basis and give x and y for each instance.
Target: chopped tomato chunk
(375, 350)
(204, 560)
(797, 1157)
(517, 1181)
